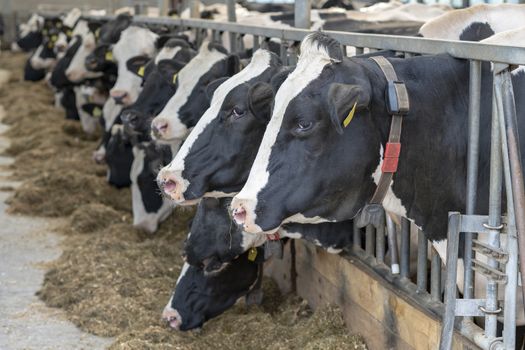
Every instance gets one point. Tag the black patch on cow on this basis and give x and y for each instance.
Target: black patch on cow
(476, 31)
(155, 157)
(31, 41)
(119, 157)
(31, 74)
(68, 101)
(58, 76)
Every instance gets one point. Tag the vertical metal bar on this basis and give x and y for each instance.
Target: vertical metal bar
(447, 332)
(369, 240)
(232, 18)
(405, 248)
(194, 8)
(256, 42)
(507, 117)
(435, 276)
(472, 169)
(422, 248)
(392, 244)
(494, 216)
(380, 243)
(240, 42)
(356, 237)
(302, 13)
(282, 51)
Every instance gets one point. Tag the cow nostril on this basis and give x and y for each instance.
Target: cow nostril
(169, 186)
(239, 215)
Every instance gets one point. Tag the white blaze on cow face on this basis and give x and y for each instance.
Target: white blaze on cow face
(134, 41)
(449, 26)
(167, 53)
(76, 71)
(110, 112)
(141, 218)
(260, 62)
(187, 78)
(311, 63)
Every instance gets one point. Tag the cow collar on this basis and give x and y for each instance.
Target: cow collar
(398, 106)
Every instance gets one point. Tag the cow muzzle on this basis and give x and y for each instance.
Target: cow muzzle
(243, 212)
(121, 97)
(159, 128)
(172, 317)
(172, 185)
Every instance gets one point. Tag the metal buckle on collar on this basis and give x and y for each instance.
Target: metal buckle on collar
(397, 98)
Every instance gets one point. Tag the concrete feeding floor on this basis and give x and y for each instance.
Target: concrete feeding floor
(26, 244)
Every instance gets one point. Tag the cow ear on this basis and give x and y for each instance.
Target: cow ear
(137, 65)
(233, 65)
(185, 55)
(210, 89)
(344, 100)
(280, 77)
(170, 68)
(260, 100)
(93, 26)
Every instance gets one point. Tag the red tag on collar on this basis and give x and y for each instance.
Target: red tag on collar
(391, 159)
(274, 236)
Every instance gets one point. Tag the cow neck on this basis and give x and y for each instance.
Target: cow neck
(395, 98)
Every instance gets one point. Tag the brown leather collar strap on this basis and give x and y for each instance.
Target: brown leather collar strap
(398, 105)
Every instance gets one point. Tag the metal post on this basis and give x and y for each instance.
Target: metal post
(472, 169)
(405, 248)
(232, 18)
(422, 248)
(435, 276)
(494, 218)
(447, 332)
(256, 44)
(356, 238)
(380, 243)
(302, 13)
(369, 240)
(392, 244)
(507, 112)
(194, 8)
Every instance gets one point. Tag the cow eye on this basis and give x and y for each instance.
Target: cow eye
(304, 125)
(238, 113)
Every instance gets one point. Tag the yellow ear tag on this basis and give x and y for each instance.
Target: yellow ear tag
(97, 112)
(174, 78)
(141, 71)
(44, 31)
(54, 38)
(252, 254)
(109, 56)
(97, 33)
(350, 116)
(69, 33)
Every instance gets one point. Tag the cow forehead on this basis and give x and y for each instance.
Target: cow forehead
(185, 268)
(134, 41)
(72, 17)
(258, 65)
(189, 76)
(311, 63)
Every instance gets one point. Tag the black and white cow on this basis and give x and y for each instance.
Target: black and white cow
(29, 34)
(190, 101)
(305, 135)
(198, 296)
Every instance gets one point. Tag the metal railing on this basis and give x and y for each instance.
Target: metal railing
(428, 292)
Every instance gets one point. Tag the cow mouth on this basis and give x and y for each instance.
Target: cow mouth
(174, 323)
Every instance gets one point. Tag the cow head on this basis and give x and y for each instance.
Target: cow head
(134, 41)
(158, 87)
(190, 101)
(216, 157)
(149, 207)
(30, 34)
(308, 168)
(199, 297)
(76, 71)
(66, 31)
